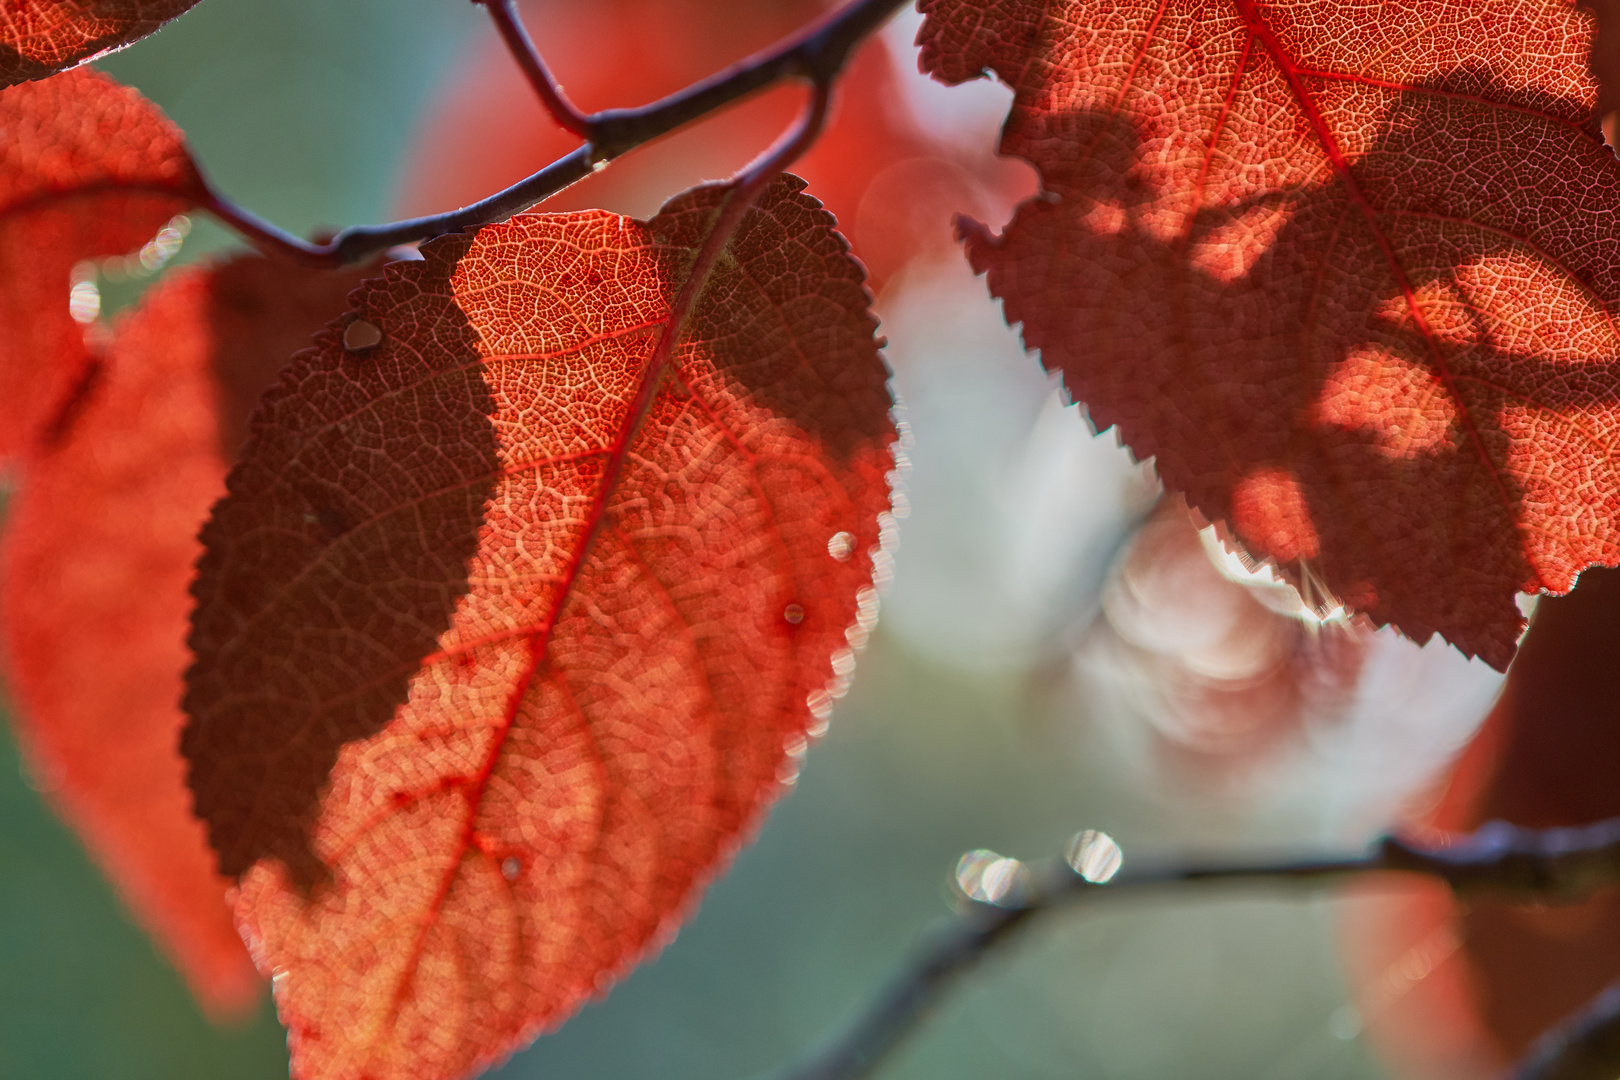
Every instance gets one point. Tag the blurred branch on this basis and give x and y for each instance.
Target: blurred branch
(816, 54)
(1561, 864)
(1586, 1046)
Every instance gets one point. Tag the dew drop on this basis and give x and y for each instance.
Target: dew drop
(1095, 856)
(361, 335)
(163, 247)
(511, 867)
(39, 778)
(794, 613)
(866, 608)
(84, 301)
(1345, 1023)
(841, 546)
(989, 878)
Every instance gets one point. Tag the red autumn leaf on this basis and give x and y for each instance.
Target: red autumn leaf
(38, 38)
(1343, 270)
(885, 180)
(88, 168)
(1542, 759)
(99, 548)
(495, 668)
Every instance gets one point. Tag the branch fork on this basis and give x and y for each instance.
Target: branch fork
(816, 55)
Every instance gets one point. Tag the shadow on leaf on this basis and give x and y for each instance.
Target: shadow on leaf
(1397, 380)
(335, 562)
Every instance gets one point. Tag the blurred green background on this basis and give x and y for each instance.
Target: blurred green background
(302, 110)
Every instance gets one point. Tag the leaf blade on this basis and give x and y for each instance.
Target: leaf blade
(99, 549)
(39, 38)
(577, 745)
(1309, 260)
(88, 169)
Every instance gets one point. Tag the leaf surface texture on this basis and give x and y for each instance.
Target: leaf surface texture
(39, 38)
(1345, 271)
(493, 669)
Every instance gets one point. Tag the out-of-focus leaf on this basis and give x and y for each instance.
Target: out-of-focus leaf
(1541, 760)
(99, 549)
(88, 168)
(892, 187)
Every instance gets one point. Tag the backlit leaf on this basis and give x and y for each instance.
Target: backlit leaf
(1344, 270)
(88, 169)
(41, 37)
(493, 672)
(99, 549)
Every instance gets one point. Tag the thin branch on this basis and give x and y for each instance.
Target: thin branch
(521, 46)
(816, 54)
(757, 174)
(1561, 863)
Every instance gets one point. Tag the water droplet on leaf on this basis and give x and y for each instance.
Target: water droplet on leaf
(1095, 856)
(360, 335)
(989, 878)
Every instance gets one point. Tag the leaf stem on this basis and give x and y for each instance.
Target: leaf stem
(1559, 863)
(816, 54)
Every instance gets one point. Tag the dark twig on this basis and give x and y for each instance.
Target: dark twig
(1562, 863)
(521, 46)
(816, 54)
(1558, 864)
(757, 174)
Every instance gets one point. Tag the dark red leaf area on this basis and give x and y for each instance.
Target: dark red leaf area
(495, 666)
(891, 186)
(88, 169)
(1344, 272)
(1605, 60)
(41, 37)
(99, 550)
(260, 312)
(1544, 758)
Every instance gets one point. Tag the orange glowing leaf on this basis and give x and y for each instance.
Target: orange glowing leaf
(99, 548)
(38, 38)
(88, 168)
(494, 667)
(1345, 271)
